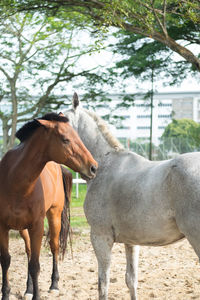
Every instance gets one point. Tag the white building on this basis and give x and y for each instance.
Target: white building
(136, 123)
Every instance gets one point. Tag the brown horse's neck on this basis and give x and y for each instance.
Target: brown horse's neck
(26, 163)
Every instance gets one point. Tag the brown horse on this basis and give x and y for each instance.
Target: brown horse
(31, 186)
(56, 242)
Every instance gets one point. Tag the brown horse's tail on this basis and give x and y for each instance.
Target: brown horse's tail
(65, 217)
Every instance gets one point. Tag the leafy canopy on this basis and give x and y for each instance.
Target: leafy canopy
(146, 17)
(37, 54)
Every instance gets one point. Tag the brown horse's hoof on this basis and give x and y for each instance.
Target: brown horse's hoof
(28, 297)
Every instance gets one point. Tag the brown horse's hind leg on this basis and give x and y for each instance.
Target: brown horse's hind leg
(36, 234)
(54, 220)
(5, 263)
(29, 284)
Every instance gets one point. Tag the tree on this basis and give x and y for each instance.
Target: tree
(181, 136)
(150, 18)
(135, 51)
(37, 54)
(149, 60)
(144, 59)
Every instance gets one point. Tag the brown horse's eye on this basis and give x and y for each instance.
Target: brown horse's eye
(65, 141)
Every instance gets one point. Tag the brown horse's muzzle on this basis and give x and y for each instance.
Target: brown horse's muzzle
(92, 172)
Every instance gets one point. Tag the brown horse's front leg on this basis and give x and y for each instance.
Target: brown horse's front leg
(36, 234)
(54, 220)
(5, 263)
(29, 284)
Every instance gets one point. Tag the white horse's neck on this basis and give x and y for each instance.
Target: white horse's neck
(96, 135)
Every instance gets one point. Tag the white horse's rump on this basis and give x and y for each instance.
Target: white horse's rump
(135, 201)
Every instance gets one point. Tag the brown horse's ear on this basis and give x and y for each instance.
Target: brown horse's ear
(61, 114)
(75, 101)
(44, 123)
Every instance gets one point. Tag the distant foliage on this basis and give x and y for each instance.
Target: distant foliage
(184, 129)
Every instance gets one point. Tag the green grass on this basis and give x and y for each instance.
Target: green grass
(78, 219)
(77, 202)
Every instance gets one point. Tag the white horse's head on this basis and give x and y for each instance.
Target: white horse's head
(92, 129)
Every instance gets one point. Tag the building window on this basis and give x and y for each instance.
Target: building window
(161, 127)
(123, 127)
(164, 116)
(143, 105)
(165, 104)
(125, 117)
(143, 127)
(143, 116)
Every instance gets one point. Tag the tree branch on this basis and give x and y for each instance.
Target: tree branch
(162, 26)
(169, 42)
(5, 73)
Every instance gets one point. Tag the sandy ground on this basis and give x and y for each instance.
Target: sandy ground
(170, 272)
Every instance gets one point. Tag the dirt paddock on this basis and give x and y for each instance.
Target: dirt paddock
(170, 272)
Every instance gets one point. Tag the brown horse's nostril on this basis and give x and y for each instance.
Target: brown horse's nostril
(93, 169)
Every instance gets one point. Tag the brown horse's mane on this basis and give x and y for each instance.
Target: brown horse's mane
(30, 127)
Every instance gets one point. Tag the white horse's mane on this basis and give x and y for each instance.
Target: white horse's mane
(101, 124)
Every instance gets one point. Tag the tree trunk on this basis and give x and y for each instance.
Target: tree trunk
(5, 136)
(14, 114)
(151, 114)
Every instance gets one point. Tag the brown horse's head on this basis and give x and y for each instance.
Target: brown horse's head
(65, 146)
(59, 142)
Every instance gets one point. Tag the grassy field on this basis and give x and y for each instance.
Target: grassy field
(78, 219)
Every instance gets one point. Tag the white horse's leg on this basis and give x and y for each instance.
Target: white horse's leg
(132, 256)
(102, 245)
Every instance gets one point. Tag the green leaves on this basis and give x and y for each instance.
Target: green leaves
(37, 54)
(149, 18)
(180, 130)
(139, 55)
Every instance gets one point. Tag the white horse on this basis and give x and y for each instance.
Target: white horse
(135, 201)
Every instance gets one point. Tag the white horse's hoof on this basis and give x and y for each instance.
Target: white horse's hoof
(54, 292)
(28, 297)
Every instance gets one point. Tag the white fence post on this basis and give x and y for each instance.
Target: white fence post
(77, 185)
(77, 181)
